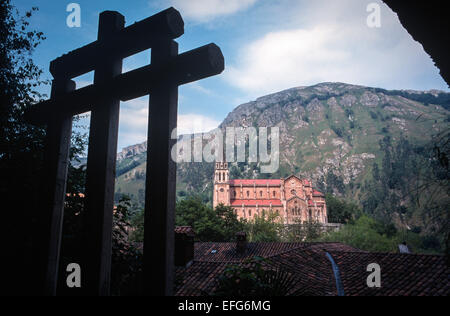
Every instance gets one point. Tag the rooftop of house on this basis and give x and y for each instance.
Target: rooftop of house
(308, 263)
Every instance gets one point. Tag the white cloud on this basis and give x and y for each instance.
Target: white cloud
(333, 43)
(205, 10)
(134, 118)
(198, 87)
(195, 123)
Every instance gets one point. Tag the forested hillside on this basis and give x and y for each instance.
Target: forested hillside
(372, 146)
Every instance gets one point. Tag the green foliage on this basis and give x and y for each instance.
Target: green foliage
(349, 112)
(126, 260)
(406, 171)
(126, 165)
(126, 265)
(21, 145)
(302, 232)
(220, 224)
(369, 234)
(340, 211)
(442, 99)
(334, 183)
(363, 235)
(137, 222)
(338, 131)
(264, 228)
(255, 279)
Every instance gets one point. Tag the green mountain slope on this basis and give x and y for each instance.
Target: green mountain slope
(330, 133)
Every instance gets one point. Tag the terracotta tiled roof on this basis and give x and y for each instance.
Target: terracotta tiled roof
(198, 279)
(306, 262)
(401, 274)
(258, 182)
(256, 202)
(317, 193)
(226, 252)
(311, 271)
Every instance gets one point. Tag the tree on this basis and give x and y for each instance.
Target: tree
(220, 224)
(230, 223)
(303, 231)
(266, 227)
(20, 144)
(126, 265)
(341, 211)
(21, 159)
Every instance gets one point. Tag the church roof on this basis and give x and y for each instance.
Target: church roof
(317, 193)
(253, 202)
(258, 182)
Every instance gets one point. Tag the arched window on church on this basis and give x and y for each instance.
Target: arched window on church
(220, 176)
(234, 193)
(249, 213)
(274, 193)
(248, 193)
(260, 193)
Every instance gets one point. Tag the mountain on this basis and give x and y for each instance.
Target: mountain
(331, 133)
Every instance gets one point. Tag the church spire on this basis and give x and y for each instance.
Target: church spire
(221, 184)
(221, 173)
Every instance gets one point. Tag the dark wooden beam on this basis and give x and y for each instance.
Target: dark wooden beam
(427, 22)
(159, 219)
(101, 167)
(188, 67)
(129, 41)
(59, 130)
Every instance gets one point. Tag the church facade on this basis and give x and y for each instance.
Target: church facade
(294, 199)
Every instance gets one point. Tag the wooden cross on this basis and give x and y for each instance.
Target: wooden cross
(161, 79)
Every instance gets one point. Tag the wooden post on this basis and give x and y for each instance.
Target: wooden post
(101, 165)
(160, 181)
(59, 130)
(167, 71)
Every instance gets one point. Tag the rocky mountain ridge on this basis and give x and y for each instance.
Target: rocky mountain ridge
(327, 131)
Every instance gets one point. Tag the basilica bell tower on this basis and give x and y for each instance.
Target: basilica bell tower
(221, 194)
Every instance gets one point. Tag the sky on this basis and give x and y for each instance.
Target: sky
(268, 45)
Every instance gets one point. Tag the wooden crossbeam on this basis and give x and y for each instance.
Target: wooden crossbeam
(188, 67)
(161, 79)
(129, 41)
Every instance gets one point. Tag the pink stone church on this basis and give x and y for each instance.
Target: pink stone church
(294, 199)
